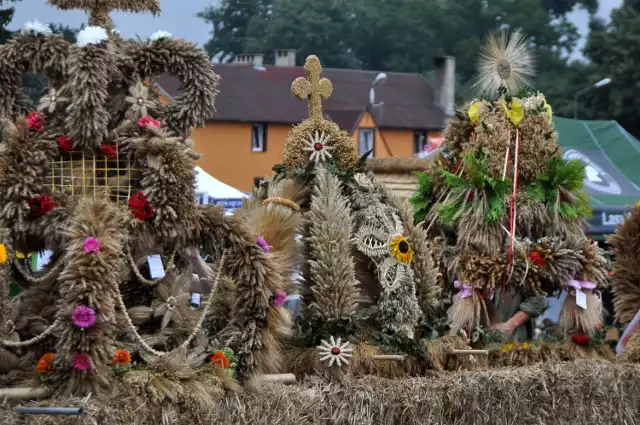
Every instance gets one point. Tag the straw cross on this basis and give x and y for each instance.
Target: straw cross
(313, 88)
(99, 10)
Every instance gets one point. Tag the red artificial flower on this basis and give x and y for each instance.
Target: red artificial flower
(219, 360)
(147, 120)
(109, 151)
(140, 207)
(35, 121)
(41, 205)
(65, 144)
(580, 339)
(537, 259)
(471, 196)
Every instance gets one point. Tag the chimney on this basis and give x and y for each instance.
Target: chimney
(252, 59)
(286, 57)
(445, 83)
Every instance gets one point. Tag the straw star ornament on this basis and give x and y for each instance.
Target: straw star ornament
(505, 61)
(317, 145)
(335, 352)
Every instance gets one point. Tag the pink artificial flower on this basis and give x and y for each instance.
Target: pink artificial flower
(279, 298)
(263, 244)
(147, 120)
(91, 244)
(81, 361)
(83, 316)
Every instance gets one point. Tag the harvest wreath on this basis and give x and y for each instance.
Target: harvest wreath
(102, 175)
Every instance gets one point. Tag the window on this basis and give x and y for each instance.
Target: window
(259, 137)
(366, 141)
(419, 140)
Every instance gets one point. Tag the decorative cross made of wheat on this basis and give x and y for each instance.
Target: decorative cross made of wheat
(99, 10)
(312, 87)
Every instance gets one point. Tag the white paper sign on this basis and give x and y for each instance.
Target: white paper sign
(195, 300)
(156, 269)
(581, 299)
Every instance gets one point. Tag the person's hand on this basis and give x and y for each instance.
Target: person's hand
(506, 327)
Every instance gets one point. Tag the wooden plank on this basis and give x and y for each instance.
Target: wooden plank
(286, 378)
(470, 352)
(24, 393)
(394, 357)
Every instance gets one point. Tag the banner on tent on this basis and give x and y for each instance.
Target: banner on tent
(227, 204)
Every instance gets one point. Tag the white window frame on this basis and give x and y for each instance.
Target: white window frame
(258, 137)
(425, 142)
(365, 145)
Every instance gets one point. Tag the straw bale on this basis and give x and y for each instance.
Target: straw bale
(397, 165)
(586, 393)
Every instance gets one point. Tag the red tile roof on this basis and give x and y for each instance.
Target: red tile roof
(263, 94)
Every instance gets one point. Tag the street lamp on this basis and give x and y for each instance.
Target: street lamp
(600, 83)
(380, 78)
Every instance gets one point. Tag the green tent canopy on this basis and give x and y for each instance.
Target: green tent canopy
(612, 177)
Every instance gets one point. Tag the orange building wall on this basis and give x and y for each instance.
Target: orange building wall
(225, 149)
(225, 152)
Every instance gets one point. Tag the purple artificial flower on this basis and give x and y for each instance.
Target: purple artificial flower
(263, 244)
(81, 361)
(83, 316)
(279, 298)
(91, 244)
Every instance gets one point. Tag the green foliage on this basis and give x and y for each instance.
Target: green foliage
(478, 193)
(6, 15)
(560, 188)
(421, 200)
(398, 343)
(612, 50)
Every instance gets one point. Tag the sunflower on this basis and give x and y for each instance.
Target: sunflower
(401, 249)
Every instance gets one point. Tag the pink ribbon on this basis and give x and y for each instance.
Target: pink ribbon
(466, 290)
(579, 285)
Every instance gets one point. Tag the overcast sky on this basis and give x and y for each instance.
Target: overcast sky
(179, 18)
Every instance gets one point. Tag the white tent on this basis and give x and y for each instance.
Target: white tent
(210, 190)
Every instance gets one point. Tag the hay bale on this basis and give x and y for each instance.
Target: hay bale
(586, 393)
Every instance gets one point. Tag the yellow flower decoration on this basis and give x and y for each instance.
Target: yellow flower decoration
(549, 112)
(20, 255)
(401, 249)
(515, 113)
(3, 254)
(474, 112)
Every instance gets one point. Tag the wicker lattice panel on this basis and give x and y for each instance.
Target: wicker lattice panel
(81, 174)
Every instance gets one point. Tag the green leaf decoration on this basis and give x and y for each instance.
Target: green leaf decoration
(422, 200)
(362, 162)
(561, 188)
(487, 193)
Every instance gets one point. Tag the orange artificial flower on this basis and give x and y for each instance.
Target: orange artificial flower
(219, 360)
(45, 364)
(3, 254)
(121, 358)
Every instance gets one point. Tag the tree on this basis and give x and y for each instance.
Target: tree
(613, 50)
(230, 21)
(310, 27)
(6, 15)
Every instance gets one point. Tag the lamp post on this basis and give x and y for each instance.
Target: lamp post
(600, 83)
(380, 78)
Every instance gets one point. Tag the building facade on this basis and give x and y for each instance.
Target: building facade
(255, 110)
